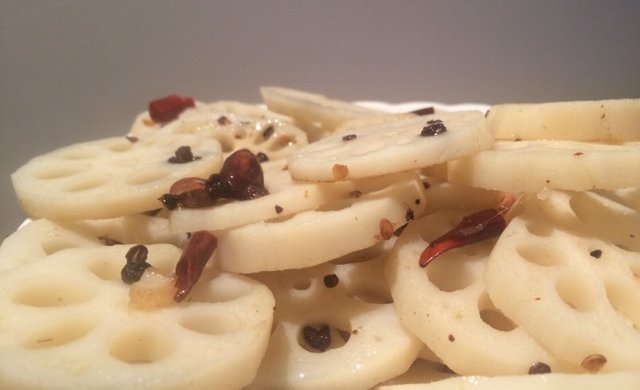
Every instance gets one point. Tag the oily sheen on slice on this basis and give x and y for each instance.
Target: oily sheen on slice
(447, 306)
(317, 114)
(44, 237)
(532, 166)
(335, 327)
(68, 323)
(312, 237)
(110, 177)
(616, 120)
(392, 147)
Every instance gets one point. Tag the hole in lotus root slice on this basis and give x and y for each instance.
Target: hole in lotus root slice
(57, 172)
(492, 316)
(301, 284)
(321, 336)
(210, 323)
(86, 183)
(456, 270)
(539, 228)
(53, 333)
(141, 344)
(146, 176)
(51, 292)
(220, 289)
(576, 293)
(545, 256)
(623, 297)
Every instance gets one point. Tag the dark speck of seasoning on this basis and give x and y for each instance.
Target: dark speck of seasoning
(183, 155)
(578, 154)
(424, 111)
(539, 368)
(318, 339)
(262, 157)
(349, 137)
(268, 132)
(278, 209)
(132, 139)
(434, 127)
(417, 201)
(596, 253)
(409, 215)
(518, 139)
(136, 264)
(399, 230)
(223, 120)
(452, 338)
(330, 281)
(355, 194)
(426, 185)
(108, 241)
(169, 201)
(602, 116)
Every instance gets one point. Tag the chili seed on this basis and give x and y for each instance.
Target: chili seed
(539, 368)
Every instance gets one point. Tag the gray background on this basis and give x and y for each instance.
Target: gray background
(74, 70)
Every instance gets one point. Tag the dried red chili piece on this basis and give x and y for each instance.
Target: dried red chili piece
(243, 172)
(476, 227)
(386, 229)
(169, 107)
(194, 257)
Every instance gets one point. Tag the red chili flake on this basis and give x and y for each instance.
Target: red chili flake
(434, 127)
(539, 368)
(349, 137)
(331, 280)
(386, 229)
(194, 257)
(169, 108)
(339, 171)
(183, 155)
(476, 227)
(423, 111)
(318, 339)
(594, 363)
(278, 209)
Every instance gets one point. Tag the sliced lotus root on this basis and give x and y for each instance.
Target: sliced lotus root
(317, 114)
(617, 380)
(285, 197)
(441, 195)
(111, 177)
(446, 305)
(577, 295)
(532, 166)
(240, 127)
(421, 373)
(335, 327)
(70, 325)
(602, 120)
(393, 147)
(312, 237)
